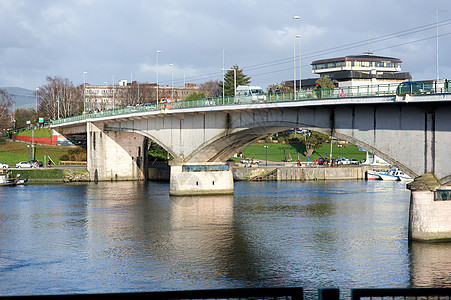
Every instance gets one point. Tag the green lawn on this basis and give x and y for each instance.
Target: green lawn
(278, 152)
(13, 152)
(42, 132)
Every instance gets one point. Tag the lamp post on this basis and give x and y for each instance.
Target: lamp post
(158, 52)
(294, 56)
(84, 91)
(300, 64)
(266, 148)
(172, 81)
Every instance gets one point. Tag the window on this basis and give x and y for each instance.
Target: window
(442, 195)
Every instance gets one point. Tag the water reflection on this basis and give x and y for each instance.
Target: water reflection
(430, 264)
(130, 236)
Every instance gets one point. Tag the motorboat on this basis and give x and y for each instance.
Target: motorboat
(395, 175)
(6, 180)
(372, 175)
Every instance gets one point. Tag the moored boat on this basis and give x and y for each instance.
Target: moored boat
(6, 180)
(395, 175)
(372, 175)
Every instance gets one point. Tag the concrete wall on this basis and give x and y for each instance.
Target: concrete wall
(115, 155)
(303, 173)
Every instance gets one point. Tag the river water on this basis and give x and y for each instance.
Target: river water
(114, 237)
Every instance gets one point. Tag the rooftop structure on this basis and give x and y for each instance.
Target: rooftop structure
(364, 69)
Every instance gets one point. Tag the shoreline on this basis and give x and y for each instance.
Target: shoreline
(64, 174)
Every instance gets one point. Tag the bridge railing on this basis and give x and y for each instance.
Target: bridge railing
(315, 94)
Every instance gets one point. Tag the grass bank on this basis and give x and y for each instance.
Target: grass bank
(280, 152)
(52, 175)
(13, 152)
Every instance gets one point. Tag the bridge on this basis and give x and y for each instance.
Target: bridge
(412, 132)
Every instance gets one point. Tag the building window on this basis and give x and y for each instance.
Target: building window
(442, 195)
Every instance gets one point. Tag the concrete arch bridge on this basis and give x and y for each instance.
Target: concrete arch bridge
(411, 132)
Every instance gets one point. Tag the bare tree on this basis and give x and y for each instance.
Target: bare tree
(210, 88)
(59, 98)
(5, 102)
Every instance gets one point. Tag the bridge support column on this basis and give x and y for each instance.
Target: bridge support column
(430, 210)
(200, 179)
(115, 155)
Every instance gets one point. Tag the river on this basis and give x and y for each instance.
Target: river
(115, 237)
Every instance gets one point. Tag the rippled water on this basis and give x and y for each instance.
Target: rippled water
(133, 237)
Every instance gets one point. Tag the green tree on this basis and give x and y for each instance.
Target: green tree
(195, 96)
(229, 81)
(324, 87)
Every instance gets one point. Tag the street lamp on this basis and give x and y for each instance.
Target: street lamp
(84, 91)
(300, 64)
(158, 51)
(294, 56)
(266, 148)
(172, 81)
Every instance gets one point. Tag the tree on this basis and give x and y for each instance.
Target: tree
(5, 102)
(59, 98)
(324, 87)
(211, 88)
(195, 96)
(229, 81)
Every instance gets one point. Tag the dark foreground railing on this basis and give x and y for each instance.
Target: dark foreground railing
(413, 293)
(290, 293)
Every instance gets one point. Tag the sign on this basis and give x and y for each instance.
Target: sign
(41, 120)
(28, 122)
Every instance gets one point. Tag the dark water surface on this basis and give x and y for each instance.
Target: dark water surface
(132, 237)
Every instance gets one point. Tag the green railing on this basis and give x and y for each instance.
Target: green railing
(342, 92)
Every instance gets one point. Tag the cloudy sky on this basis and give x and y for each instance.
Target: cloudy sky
(117, 40)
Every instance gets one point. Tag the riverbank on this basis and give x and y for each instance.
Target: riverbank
(240, 173)
(57, 174)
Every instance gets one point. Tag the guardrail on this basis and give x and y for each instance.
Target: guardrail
(340, 92)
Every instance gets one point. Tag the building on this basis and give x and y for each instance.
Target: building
(103, 97)
(358, 70)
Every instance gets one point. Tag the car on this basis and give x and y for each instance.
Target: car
(413, 87)
(24, 164)
(36, 163)
(3, 166)
(353, 161)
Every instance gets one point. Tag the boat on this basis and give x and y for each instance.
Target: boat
(395, 175)
(372, 175)
(6, 180)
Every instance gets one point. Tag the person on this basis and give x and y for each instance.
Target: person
(318, 90)
(342, 94)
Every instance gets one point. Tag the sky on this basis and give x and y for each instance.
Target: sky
(118, 40)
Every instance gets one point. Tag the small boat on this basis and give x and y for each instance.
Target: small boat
(372, 175)
(6, 180)
(395, 175)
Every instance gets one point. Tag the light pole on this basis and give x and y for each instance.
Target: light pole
(300, 64)
(158, 51)
(266, 148)
(172, 81)
(294, 56)
(84, 91)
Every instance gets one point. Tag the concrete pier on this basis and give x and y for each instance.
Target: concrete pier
(430, 212)
(189, 180)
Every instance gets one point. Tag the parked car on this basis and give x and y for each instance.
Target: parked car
(37, 163)
(354, 161)
(413, 87)
(3, 166)
(24, 164)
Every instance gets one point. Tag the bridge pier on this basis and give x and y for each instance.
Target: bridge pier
(115, 155)
(430, 210)
(201, 179)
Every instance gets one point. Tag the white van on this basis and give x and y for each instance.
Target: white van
(249, 93)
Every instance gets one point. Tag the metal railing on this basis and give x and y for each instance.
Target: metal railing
(341, 92)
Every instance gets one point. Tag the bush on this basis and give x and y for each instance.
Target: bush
(64, 157)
